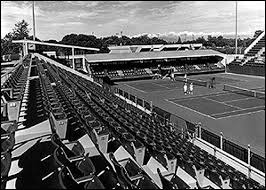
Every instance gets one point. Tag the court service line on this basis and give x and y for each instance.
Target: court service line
(134, 88)
(190, 109)
(161, 86)
(257, 77)
(223, 103)
(239, 114)
(240, 99)
(239, 110)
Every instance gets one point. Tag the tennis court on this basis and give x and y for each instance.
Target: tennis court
(219, 110)
(166, 85)
(225, 104)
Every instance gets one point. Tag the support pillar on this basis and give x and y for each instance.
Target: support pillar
(199, 130)
(221, 140)
(249, 166)
(73, 59)
(83, 64)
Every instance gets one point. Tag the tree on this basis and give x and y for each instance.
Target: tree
(179, 40)
(19, 32)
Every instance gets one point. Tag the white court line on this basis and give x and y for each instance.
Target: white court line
(161, 86)
(239, 114)
(223, 103)
(238, 110)
(239, 99)
(251, 76)
(190, 109)
(134, 88)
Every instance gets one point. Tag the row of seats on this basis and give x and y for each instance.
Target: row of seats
(252, 63)
(94, 111)
(257, 47)
(18, 78)
(57, 165)
(92, 121)
(16, 82)
(7, 144)
(152, 140)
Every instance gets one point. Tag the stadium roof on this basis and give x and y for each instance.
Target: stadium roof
(54, 44)
(108, 57)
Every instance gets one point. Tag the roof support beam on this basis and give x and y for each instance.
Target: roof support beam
(53, 44)
(73, 59)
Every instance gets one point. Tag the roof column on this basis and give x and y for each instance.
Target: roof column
(73, 59)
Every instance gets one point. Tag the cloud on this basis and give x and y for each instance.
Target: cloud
(67, 24)
(84, 3)
(190, 35)
(128, 3)
(87, 14)
(167, 18)
(12, 12)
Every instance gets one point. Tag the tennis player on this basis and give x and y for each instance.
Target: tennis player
(185, 88)
(185, 77)
(191, 88)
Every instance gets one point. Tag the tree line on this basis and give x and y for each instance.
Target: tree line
(21, 31)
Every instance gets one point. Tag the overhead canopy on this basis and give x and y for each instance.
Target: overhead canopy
(54, 44)
(109, 57)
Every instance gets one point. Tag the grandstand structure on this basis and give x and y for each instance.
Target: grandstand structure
(155, 47)
(128, 65)
(253, 62)
(79, 134)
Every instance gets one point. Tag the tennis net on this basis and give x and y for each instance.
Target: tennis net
(194, 81)
(246, 92)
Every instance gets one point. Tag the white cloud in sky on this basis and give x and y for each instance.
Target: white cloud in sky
(134, 17)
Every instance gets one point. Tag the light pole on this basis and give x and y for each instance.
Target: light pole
(33, 19)
(236, 32)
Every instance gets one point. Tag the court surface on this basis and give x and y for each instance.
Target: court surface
(222, 105)
(239, 117)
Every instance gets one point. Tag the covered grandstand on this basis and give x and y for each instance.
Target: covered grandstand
(124, 66)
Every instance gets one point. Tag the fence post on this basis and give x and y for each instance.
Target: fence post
(221, 140)
(249, 166)
(199, 130)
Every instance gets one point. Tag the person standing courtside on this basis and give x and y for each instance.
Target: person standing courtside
(185, 88)
(191, 88)
(185, 77)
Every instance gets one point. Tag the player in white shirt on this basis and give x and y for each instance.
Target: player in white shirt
(191, 88)
(185, 88)
(185, 77)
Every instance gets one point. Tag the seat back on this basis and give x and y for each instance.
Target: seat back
(165, 183)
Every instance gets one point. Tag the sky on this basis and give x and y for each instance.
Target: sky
(55, 19)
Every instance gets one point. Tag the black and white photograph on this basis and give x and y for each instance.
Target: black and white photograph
(132, 94)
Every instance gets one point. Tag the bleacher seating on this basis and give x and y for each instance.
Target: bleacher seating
(94, 111)
(148, 132)
(253, 62)
(257, 47)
